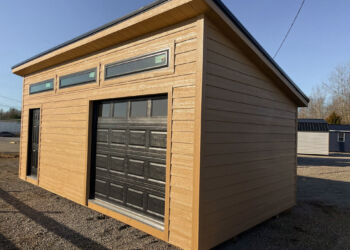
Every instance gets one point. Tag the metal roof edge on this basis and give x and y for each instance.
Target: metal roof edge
(233, 18)
(94, 31)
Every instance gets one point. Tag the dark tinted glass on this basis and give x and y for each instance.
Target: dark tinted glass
(139, 108)
(78, 78)
(41, 87)
(120, 109)
(159, 107)
(149, 62)
(105, 109)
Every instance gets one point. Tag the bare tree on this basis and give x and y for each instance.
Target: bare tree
(339, 89)
(317, 107)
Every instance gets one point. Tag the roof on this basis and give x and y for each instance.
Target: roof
(312, 125)
(196, 9)
(337, 127)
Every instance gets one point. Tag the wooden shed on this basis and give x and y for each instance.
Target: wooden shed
(172, 119)
(313, 137)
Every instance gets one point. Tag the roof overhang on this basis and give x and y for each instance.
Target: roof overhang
(158, 15)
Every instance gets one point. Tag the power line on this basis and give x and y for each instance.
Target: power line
(11, 99)
(8, 106)
(290, 28)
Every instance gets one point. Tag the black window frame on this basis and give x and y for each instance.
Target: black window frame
(76, 74)
(52, 80)
(166, 51)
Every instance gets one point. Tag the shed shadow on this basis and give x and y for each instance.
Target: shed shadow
(6, 243)
(319, 218)
(319, 161)
(50, 224)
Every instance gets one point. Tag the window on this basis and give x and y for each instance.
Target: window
(341, 137)
(105, 110)
(120, 109)
(82, 77)
(159, 107)
(139, 108)
(140, 64)
(41, 87)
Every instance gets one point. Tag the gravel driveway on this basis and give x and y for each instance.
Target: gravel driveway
(34, 218)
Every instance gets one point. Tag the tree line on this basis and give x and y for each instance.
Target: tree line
(10, 114)
(331, 100)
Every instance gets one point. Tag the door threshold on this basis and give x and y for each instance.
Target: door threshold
(126, 212)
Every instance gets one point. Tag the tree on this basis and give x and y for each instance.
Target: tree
(12, 113)
(317, 107)
(339, 89)
(334, 118)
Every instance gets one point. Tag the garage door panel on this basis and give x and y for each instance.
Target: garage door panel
(117, 164)
(118, 136)
(136, 168)
(117, 192)
(131, 160)
(158, 139)
(156, 172)
(155, 205)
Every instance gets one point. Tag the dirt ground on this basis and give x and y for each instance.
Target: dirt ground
(32, 218)
(9, 145)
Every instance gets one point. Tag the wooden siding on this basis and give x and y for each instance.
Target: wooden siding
(63, 157)
(316, 143)
(248, 151)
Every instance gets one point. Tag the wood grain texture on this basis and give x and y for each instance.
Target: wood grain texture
(248, 155)
(64, 154)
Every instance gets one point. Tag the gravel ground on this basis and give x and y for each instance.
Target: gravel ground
(34, 218)
(9, 145)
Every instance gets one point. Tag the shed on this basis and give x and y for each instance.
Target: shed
(172, 119)
(313, 137)
(339, 138)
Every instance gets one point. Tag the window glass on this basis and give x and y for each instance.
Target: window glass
(159, 107)
(341, 137)
(120, 109)
(144, 63)
(78, 78)
(105, 109)
(41, 87)
(139, 108)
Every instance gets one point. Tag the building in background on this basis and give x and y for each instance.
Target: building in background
(339, 138)
(313, 137)
(11, 126)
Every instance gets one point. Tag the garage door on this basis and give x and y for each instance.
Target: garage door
(130, 150)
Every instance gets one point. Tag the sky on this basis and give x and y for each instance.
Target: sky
(318, 42)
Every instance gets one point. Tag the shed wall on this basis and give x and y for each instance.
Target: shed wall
(65, 114)
(316, 143)
(335, 145)
(248, 168)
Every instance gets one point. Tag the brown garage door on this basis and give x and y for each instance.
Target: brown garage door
(130, 150)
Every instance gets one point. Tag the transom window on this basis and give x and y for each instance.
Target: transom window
(41, 87)
(136, 65)
(83, 77)
(135, 108)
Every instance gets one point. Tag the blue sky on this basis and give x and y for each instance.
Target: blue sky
(319, 41)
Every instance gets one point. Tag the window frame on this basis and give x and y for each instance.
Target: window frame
(75, 74)
(52, 80)
(339, 137)
(166, 65)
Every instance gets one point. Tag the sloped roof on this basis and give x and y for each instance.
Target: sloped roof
(108, 35)
(339, 127)
(313, 125)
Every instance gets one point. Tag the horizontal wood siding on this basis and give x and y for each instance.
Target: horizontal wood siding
(65, 115)
(249, 144)
(315, 143)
